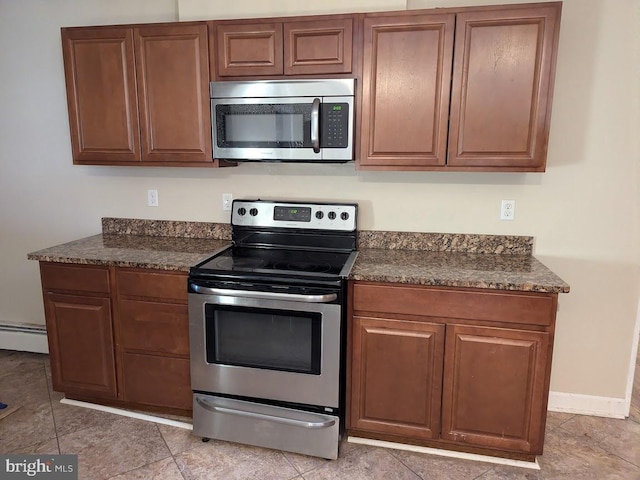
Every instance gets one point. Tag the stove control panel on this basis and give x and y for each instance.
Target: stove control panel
(319, 216)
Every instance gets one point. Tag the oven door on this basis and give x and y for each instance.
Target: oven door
(282, 129)
(265, 345)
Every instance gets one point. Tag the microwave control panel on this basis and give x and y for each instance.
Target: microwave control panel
(335, 125)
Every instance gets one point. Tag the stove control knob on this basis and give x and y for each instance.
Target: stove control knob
(344, 216)
(332, 215)
(319, 215)
(253, 212)
(242, 211)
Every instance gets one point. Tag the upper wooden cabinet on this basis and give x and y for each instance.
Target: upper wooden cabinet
(405, 90)
(502, 87)
(138, 94)
(292, 47)
(503, 64)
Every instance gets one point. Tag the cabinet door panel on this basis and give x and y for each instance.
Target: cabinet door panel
(318, 47)
(502, 77)
(154, 327)
(158, 381)
(406, 84)
(397, 376)
(101, 94)
(249, 49)
(81, 344)
(494, 387)
(173, 86)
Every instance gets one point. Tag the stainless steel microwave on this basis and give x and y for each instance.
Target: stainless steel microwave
(283, 120)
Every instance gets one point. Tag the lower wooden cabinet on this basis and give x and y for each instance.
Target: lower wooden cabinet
(118, 335)
(450, 368)
(157, 381)
(494, 388)
(397, 384)
(81, 346)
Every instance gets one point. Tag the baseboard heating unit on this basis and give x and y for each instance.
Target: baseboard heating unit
(23, 338)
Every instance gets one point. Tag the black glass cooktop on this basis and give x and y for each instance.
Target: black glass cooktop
(242, 260)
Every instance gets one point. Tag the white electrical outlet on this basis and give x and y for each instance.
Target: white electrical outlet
(227, 198)
(507, 210)
(152, 198)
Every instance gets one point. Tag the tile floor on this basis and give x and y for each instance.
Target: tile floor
(115, 447)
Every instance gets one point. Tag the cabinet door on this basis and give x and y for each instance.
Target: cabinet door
(495, 388)
(249, 49)
(81, 346)
(406, 85)
(318, 47)
(396, 377)
(502, 87)
(158, 381)
(101, 94)
(173, 86)
(154, 327)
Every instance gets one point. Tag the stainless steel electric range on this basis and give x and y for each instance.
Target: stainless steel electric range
(267, 327)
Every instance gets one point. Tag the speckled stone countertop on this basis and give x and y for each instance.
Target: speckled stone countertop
(156, 244)
(496, 262)
(452, 260)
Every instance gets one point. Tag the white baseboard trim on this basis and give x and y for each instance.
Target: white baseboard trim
(127, 413)
(610, 407)
(446, 453)
(23, 339)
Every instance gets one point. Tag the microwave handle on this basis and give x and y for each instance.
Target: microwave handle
(315, 125)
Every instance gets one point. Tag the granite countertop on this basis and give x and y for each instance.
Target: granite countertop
(162, 245)
(449, 260)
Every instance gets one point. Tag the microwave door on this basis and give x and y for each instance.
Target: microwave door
(260, 129)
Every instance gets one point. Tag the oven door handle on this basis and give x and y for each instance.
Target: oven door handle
(261, 416)
(293, 297)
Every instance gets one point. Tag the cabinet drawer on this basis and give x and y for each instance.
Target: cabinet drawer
(158, 381)
(154, 327)
(519, 308)
(75, 277)
(149, 283)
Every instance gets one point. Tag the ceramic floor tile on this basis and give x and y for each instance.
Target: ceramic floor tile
(165, 469)
(71, 418)
(12, 361)
(359, 462)
(305, 463)
(45, 447)
(121, 446)
(568, 457)
(619, 437)
(433, 467)
(230, 461)
(555, 419)
(31, 424)
(179, 439)
(24, 384)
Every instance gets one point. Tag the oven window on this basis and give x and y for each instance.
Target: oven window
(271, 339)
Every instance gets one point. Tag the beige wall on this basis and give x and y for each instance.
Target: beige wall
(583, 212)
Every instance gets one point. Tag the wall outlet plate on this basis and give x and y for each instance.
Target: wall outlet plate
(507, 210)
(152, 198)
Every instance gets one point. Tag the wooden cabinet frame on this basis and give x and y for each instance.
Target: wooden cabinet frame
(280, 47)
(139, 94)
(491, 369)
(118, 336)
(482, 103)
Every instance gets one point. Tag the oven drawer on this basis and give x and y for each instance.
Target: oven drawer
(266, 426)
